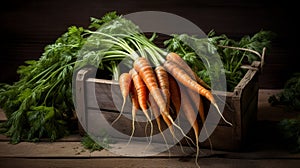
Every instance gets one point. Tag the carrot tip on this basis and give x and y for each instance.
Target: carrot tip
(216, 106)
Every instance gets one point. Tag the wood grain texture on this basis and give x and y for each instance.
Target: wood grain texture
(110, 162)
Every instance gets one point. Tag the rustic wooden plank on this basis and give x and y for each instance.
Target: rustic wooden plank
(105, 94)
(80, 96)
(266, 112)
(249, 119)
(146, 162)
(75, 150)
(4, 138)
(43, 149)
(100, 122)
(221, 137)
(249, 102)
(67, 138)
(80, 103)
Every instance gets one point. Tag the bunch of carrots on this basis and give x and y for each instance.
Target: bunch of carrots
(157, 88)
(154, 80)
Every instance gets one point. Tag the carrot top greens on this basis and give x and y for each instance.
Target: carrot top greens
(290, 95)
(232, 59)
(40, 103)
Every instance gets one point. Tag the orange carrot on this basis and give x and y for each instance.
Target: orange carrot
(163, 83)
(140, 88)
(145, 71)
(142, 94)
(175, 94)
(124, 83)
(143, 67)
(188, 110)
(174, 57)
(198, 102)
(180, 75)
(155, 111)
(135, 107)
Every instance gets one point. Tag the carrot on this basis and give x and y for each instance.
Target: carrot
(176, 101)
(155, 111)
(180, 75)
(124, 83)
(140, 88)
(143, 67)
(135, 107)
(175, 94)
(163, 83)
(198, 102)
(188, 110)
(142, 94)
(174, 57)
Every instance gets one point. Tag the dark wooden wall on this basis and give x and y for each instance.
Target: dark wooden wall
(27, 26)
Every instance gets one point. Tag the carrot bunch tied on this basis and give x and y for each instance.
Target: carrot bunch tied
(155, 80)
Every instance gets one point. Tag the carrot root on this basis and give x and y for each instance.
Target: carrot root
(188, 109)
(155, 111)
(125, 84)
(132, 131)
(217, 107)
(135, 107)
(120, 114)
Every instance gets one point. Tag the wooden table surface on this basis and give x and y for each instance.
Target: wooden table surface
(266, 151)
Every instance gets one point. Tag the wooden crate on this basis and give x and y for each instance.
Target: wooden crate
(240, 109)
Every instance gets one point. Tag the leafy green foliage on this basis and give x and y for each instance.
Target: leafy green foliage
(89, 143)
(108, 17)
(290, 96)
(40, 104)
(44, 89)
(290, 129)
(232, 59)
(100, 49)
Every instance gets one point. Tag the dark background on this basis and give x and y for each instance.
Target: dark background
(28, 26)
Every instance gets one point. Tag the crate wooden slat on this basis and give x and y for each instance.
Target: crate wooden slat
(94, 96)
